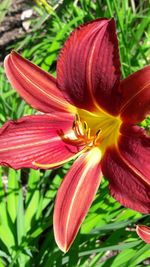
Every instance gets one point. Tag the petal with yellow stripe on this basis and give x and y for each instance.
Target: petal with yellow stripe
(88, 68)
(37, 138)
(35, 86)
(75, 196)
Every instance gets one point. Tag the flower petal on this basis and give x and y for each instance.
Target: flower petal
(75, 196)
(144, 233)
(134, 147)
(88, 67)
(136, 96)
(127, 169)
(36, 139)
(35, 86)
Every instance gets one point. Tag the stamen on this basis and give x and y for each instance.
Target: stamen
(79, 127)
(83, 134)
(98, 132)
(97, 137)
(59, 163)
(89, 133)
(77, 118)
(73, 125)
(85, 125)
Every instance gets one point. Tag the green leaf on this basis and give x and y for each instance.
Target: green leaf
(32, 199)
(12, 194)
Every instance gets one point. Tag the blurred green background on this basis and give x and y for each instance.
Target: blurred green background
(38, 29)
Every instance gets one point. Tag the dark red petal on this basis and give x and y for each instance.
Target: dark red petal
(134, 147)
(34, 85)
(75, 196)
(129, 180)
(36, 139)
(88, 67)
(136, 96)
(144, 233)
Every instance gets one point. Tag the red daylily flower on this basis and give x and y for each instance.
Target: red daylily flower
(89, 113)
(144, 233)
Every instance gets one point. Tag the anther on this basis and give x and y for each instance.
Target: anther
(95, 142)
(84, 134)
(98, 132)
(77, 117)
(85, 125)
(73, 125)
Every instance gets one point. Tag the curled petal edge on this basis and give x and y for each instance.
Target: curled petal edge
(144, 233)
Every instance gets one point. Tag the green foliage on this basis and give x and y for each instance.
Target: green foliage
(26, 235)
(4, 7)
(107, 236)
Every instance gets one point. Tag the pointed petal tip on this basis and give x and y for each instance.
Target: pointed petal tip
(37, 87)
(63, 247)
(75, 197)
(144, 233)
(5, 62)
(91, 83)
(12, 52)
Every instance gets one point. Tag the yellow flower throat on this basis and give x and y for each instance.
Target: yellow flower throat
(96, 129)
(92, 131)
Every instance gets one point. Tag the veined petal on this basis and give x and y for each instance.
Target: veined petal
(36, 139)
(35, 86)
(128, 182)
(134, 147)
(136, 96)
(75, 196)
(89, 68)
(144, 233)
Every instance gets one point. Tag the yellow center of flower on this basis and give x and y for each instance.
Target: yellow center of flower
(83, 133)
(90, 131)
(96, 129)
